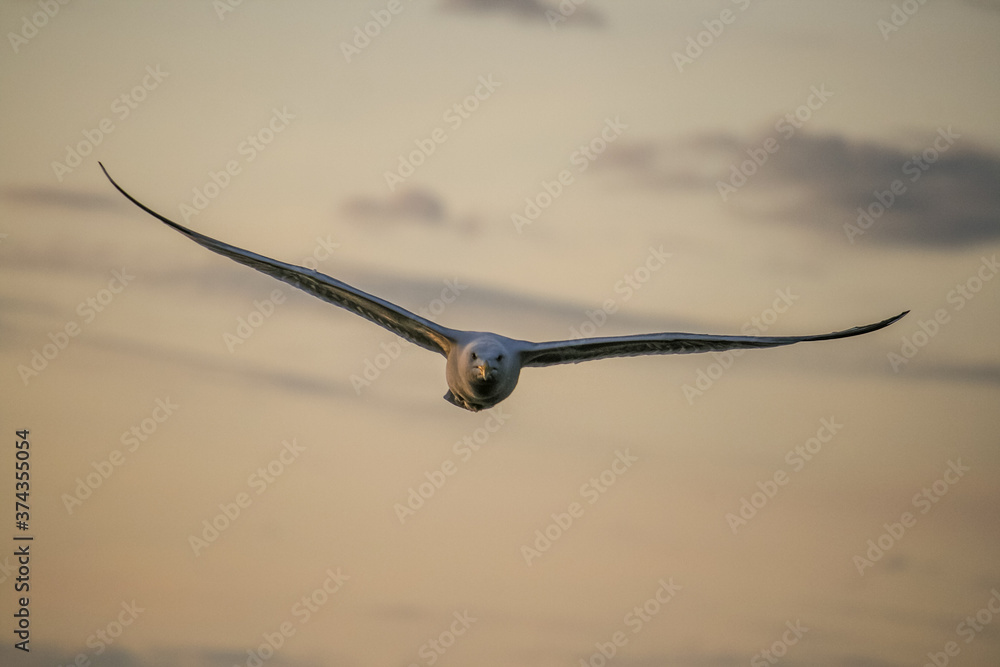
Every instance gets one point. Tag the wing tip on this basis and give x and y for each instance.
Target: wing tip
(868, 328)
(895, 318)
(106, 174)
(118, 187)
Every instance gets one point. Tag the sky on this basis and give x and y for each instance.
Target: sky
(224, 471)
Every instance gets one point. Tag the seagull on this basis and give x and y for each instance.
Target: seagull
(482, 368)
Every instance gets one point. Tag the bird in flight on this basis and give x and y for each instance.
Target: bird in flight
(482, 368)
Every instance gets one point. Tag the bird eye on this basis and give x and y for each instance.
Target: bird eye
(474, 356)
(499, 357)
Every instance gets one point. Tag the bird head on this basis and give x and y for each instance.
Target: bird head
(482, 371)
(485, 365)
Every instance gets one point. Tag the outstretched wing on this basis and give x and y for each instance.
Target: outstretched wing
(585, 349)
(398, 320)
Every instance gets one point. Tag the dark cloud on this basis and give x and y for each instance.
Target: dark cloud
(242, 370)
(865, 661)
(555, 13)
(43, 656)
(946, 187)
(412, 206)
(46, 656)
(708, 658)
(987, 372)
(419, 206)
(38, 195)
(985, 4)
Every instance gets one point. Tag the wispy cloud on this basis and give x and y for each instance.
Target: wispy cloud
(986, 4)
(38, 195)
(190, 657)
(413, 206)
(945, 195)
(986, 372)
(245, 371)
(531, 10)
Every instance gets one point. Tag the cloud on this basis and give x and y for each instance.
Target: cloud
(986, 371)
(412, 206)
(47, 655)
(939, 192)
(985, 4)
(553, 13)
(38, 195)
(864, 661)
(708, 658)
(214, 363)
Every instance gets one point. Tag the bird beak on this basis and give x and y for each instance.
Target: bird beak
(484, 370)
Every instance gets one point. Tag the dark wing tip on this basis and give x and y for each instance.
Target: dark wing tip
(179, 227)
(867, 328)
(108, 176)
(857, 331)
(885, 323)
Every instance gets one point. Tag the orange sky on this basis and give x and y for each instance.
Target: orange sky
(226, 471)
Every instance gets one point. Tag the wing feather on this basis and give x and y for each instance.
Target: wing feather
(586, 349)
(400, 321)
